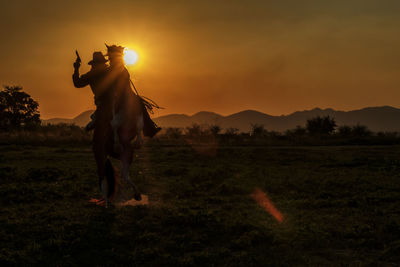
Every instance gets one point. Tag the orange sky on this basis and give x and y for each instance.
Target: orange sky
(223, 56)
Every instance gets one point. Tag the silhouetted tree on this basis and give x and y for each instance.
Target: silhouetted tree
(344, 131)
(17, 109)
(173, 132)
(195, 130)
(360, 131)
(321, 125)
(274, 134)
(215, 129)
(231, 131)
(258, 130)
(299, 131)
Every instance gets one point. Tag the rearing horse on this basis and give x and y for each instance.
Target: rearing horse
(119, 120)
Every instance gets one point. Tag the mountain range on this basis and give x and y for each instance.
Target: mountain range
(385, 118)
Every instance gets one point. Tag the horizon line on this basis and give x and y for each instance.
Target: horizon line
(328, 108)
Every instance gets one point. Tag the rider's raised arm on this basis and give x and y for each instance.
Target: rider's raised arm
(81, 81)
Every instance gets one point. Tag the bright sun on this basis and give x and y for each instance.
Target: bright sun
(130, 56)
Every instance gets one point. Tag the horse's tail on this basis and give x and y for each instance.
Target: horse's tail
(112, 179)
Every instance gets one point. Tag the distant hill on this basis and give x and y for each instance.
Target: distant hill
(384, 118)
(80, 120)
(83, 118)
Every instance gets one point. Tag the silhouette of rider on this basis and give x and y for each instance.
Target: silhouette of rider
(95, 78)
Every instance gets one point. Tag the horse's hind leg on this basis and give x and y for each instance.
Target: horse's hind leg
(104, 192)
(101, 158)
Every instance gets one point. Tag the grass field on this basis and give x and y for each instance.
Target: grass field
(341, 206)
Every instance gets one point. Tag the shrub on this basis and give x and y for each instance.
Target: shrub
(215, 129)
(173, 132)
(231, 131)
(361, 131)
(258, 130)
(321, 125)
(344, 131)
(194, 130)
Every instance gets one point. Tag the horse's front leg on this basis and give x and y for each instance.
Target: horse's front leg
(139, 128)
(126, 159)
(115, 124)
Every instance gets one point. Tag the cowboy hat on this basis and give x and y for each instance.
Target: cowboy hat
(98, 58)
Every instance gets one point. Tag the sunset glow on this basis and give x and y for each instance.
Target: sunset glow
(194, 56)
(130, 57)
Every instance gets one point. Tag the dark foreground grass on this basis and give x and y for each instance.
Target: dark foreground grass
(341, 207)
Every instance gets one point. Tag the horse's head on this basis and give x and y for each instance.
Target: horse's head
(115, 54)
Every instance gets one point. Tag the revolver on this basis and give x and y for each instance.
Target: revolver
(78, 58)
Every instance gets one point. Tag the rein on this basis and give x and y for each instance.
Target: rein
(147, 102)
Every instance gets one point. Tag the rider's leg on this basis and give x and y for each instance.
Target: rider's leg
(150, 128)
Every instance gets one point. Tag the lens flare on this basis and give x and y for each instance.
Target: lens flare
(130, 57)
(262, 199)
